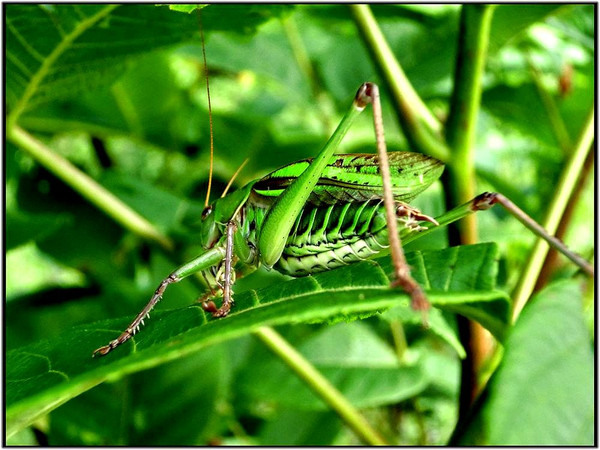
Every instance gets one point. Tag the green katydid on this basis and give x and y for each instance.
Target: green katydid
(322, 213)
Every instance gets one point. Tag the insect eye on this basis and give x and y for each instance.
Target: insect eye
(207, 212)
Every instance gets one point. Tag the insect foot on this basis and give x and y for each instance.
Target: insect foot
(210, 307)
(411, 217)
(104, 350)
(114, 343)
(224, 309)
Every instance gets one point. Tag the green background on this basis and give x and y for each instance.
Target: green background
(120, 92)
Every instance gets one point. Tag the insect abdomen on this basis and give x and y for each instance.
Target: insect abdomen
(326, 238)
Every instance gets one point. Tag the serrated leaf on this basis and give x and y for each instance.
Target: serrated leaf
(46, 374)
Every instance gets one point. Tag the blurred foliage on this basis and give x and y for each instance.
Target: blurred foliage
(123, 97)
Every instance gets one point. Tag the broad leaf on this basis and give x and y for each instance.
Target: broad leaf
(543, 391)
(46, 374)
(151, 399)
(57, 51)
(510, 20)
(25, 227)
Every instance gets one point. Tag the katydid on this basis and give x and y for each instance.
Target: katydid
(319, 214)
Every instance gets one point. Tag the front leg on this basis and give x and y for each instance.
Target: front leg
(227, 283)
(202, 262)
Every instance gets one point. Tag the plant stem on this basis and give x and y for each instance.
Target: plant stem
(399, 337)
(308, 70)
(87, 187)
(475, 22)
(320, 385)
(420, 126)
(564, 189)
(551, 262)
(459, 179)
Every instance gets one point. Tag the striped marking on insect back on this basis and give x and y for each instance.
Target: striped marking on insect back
(356, 177)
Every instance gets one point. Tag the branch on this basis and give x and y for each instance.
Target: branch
(459, 178)
(320, 385)
(89, 188)
(475, 23)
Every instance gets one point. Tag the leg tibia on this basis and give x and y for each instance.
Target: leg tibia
(486, 201)
(491, 198)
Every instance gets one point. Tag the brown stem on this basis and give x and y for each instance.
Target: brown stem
(551, 262)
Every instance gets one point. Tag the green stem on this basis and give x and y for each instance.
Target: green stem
(459, 179)
(420, 126)
(551, 263)
(320, 385)
(565, 187)
(475, 23)
(87, 187)
(399, 337)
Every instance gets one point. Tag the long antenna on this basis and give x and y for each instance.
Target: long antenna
(237, 172)
(210, 171)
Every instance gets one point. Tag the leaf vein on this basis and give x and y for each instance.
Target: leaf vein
(58, 51)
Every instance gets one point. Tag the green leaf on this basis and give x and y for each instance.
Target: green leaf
(301, 428)
(23, 227)
(436, 321)
(95, 418)
(543, 391)
(510, 20)
(147, 199)
(46, 374)
(186, 8)
(57, 51)
(276, 96)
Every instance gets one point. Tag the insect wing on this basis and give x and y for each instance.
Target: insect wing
(357, 177)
